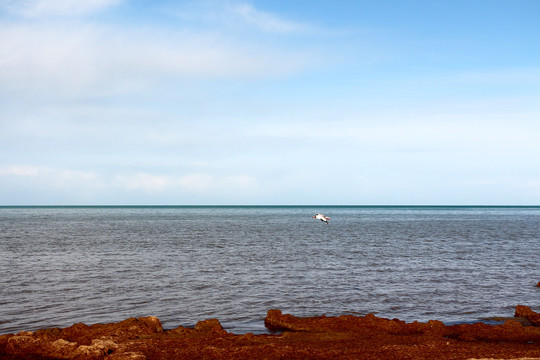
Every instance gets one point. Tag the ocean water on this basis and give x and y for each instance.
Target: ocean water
(63, 265)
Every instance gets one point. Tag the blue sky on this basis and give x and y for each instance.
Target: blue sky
(269, 102)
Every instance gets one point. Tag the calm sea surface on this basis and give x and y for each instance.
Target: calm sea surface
(62, 265)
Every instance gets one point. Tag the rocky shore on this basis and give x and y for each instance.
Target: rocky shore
(343, 337)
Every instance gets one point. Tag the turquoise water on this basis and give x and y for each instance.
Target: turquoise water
(62, 265)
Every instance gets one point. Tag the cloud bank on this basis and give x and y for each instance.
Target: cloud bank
(243, 102)
(62, 8)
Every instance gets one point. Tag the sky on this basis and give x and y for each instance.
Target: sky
(130, 102)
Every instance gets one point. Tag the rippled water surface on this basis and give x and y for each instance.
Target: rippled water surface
(61, 265)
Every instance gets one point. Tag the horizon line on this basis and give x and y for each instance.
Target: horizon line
(261, 205)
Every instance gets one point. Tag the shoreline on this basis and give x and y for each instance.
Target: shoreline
(342, 337)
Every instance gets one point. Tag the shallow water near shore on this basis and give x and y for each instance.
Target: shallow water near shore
(61, 265)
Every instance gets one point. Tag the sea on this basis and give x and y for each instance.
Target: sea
(93, 264)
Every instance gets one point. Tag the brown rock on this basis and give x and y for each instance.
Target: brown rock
(526, 312)
(80, 340)
(97, 349)
(127, 356)
(344, 337)
(209, 326)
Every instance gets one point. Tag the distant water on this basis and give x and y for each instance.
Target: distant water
(62, 265)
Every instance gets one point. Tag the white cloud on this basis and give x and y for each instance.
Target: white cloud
(143, 181)
(87, 182)
(267, 21)
(202, 183)
(53, 177)
(197, 182)
(40, 8)
(238, 15)
(206, 182)
(44, 57)
(75, 179)
(452, 133)
(19, 170)
(107, 60)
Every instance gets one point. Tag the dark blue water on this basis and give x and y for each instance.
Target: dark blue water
(62, 265)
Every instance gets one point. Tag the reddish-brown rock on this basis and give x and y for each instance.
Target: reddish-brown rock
(343, 337)
(526, 312)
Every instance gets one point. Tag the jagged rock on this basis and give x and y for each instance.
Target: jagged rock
(98, 348)
(127, 356)
(80, 340)
(276, 321)
(344, 337)
(526, 312)
(209, 326)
